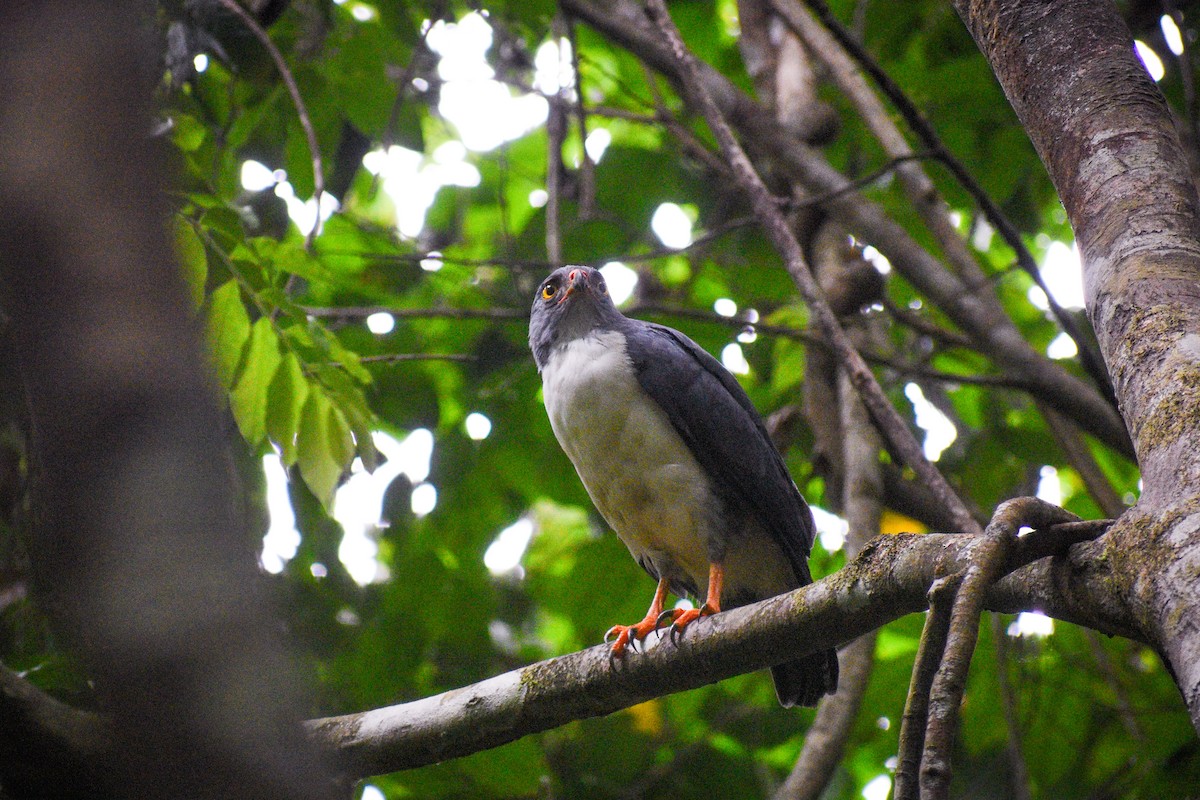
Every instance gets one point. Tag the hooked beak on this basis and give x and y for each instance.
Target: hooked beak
(577, 280)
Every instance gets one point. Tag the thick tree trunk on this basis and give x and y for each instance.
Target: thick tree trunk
(1108, 141)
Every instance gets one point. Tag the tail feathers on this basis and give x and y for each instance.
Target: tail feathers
(805, 681)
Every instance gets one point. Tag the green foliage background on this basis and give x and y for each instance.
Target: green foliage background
(1096, 717)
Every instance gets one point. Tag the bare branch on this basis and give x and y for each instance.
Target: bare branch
(556, 133)
(825, 741)
(397, 358)
(916, 706)
(917, 185)
(1071, 442)
(950, 682)
(445, 312)
(889, 579)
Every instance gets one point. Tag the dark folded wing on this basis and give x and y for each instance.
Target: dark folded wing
(715, 418)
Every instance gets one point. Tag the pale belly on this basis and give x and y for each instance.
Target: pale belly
(643, 479)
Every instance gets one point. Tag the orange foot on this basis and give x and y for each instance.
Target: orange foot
(680, 619)
(712, 604)
(627, 634)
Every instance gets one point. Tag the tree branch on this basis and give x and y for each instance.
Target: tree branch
(862, 505)
(945, 695)
(928, 135)
(889, 579)
(916, 705)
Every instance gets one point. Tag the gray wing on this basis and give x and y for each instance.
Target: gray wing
(715, 418)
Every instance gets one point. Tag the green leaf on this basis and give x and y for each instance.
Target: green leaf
(341, 443)
(228, 330)
(193, 259)
(285, 399)
(321, 465)
(188, 133)
(249, 397)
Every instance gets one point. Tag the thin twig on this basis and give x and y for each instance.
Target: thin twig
(515, 264)
(924, 326)
(1080, 457)
(289, 81)
(556, 133)
(739, 322)
(404, 83)
(766, 209)
(587, 167)
(359, 312)
(396, 358)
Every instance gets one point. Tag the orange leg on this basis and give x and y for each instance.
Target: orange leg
(712, 603)
(629, 633)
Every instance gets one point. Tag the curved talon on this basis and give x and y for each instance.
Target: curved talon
(670, 615)
(685, 618)
(626, 636)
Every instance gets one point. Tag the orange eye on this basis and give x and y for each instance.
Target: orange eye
(547, 292)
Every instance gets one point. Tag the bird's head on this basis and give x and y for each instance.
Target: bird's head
(570, 303)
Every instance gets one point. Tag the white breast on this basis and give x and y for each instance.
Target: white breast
(639, 473)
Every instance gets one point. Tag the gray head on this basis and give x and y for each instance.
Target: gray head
(571, 303)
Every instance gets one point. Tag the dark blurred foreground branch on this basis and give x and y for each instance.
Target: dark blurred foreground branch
(140, 554)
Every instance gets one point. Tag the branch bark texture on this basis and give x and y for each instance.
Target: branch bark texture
(889, 579)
